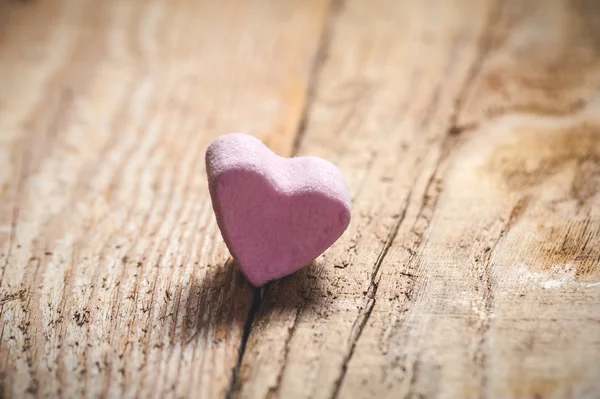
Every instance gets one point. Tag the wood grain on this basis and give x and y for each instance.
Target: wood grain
(113, 279)
(469, 133)
(471, 266)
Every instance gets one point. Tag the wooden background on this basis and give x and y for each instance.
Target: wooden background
(469, 133)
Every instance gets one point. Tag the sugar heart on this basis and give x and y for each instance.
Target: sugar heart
(276, 214)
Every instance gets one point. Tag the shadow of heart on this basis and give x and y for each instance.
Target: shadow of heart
(222, 302)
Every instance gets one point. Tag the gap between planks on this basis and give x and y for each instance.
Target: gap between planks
(335, 6)
(453, 130)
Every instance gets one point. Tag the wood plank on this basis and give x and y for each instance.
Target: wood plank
(539, 155)
(469, 134)
(112, 279)
(382, 110)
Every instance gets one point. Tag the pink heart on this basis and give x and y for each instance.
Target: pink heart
(275, 214)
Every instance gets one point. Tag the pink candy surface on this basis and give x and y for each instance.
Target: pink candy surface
(276, 214)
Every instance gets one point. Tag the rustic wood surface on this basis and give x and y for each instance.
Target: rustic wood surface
(468, 131)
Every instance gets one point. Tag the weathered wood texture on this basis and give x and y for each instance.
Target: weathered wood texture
(469, 135)
(113, 277)
(469, 132)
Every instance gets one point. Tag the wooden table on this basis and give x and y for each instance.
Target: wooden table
(468, 131)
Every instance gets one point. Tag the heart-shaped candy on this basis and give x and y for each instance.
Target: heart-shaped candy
(275, 214)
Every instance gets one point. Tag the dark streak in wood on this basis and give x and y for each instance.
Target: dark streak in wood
(486, 278)
(317, 65)
(361, 320)
(256, 302)
(486, 45)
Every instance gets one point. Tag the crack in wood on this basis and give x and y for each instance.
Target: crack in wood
(448, 143)
(429, 201)
(274, 389)
(335, 8)
(256, 302)
(319, 61)
(362, 319)
(486, 277)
